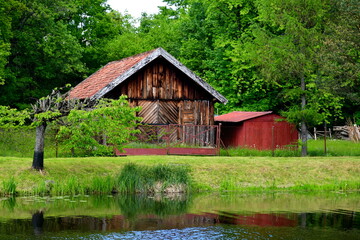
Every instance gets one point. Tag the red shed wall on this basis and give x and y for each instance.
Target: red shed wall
(232, 136)
(260, 133)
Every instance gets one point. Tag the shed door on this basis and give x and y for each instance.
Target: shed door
(159, 112)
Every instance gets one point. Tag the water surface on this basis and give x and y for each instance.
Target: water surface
(206, 216)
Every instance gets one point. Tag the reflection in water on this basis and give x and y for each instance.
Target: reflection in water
(38, 222)
(9, 204)
(144, 217)
(134, 205)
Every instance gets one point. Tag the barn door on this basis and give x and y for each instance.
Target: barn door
(159, 112)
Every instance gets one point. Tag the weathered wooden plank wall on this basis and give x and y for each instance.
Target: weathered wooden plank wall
(167, 96)
(198, 112)
(159, 80)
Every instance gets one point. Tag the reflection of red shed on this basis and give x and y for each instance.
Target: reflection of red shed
(260, 130)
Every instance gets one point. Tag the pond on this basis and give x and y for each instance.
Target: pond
(200, 216)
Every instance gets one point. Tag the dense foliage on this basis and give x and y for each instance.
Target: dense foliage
(109, 124)
(254, 52)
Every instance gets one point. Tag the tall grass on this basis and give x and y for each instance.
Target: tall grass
(131, 179)
(160, 178)
(70, 186)
(9, 186)
(105, 184)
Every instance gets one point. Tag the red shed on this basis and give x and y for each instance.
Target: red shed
(260, 130)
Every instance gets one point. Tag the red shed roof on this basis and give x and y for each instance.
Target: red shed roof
(114, 73)
(239, 116)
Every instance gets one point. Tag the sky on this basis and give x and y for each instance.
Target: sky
(136, 7)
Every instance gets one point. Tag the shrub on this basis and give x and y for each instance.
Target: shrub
(160, 178)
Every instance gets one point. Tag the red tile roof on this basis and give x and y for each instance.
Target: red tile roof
(239, 116)
(101, 78)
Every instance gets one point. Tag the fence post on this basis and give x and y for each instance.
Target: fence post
(218, 138)
(272, 141)
(325, 138)
(168, 139)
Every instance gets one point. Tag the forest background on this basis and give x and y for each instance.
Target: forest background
(260, 54)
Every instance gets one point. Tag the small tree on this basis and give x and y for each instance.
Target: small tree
(49, 109)
(108, 125)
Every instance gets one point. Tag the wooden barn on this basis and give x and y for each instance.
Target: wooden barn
(259, 130)
(167, 91)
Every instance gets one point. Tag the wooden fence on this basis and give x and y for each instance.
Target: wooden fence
(175, 139)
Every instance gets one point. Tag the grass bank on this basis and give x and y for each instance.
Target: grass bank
(334, 147)
(20, 143)
(81, 175)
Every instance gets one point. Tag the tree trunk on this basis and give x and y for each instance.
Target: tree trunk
(303, 123)
(38, 160)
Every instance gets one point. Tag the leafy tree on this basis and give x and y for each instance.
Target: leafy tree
(44, 54)
(99, 130)
(211, 31)
(46, 44)
(284, 48)
(158, 30)
(49, 109)
(12, 118)
(340, 55)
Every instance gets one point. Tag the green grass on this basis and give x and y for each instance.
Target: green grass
(148, 179)
(20, 143)
(334, 148)
(96, 174)
(249, 152)
(315, 148)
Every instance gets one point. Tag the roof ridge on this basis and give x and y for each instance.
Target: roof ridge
(132, 56)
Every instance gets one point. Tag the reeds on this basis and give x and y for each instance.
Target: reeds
(102, 185)
(159, 178)
(9, 186)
